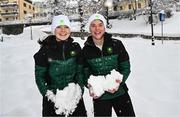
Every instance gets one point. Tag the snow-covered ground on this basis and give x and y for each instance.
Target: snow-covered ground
(171, 26)
(154, 82)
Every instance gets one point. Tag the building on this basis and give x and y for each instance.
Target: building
(128, 5)
(11, 10)
(41, 11)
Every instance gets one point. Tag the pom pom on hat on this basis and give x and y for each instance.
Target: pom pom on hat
(60, 20)
(96, 17)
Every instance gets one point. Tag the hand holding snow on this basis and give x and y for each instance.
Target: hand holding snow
(95, 88)
(66, 100)
(100, 84)
(111, 80)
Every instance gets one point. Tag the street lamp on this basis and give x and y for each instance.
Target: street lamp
(108, 4)
(135, 9)
(151, 21)
(1, 34)
(29, 18)
(31, 28)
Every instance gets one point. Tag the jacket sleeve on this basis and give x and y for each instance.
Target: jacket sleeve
(87, 71)
(87, 74)
(41, 70)
(79, 74)
(83, 68)
(123, 62)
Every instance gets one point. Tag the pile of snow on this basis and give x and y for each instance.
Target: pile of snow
(112, 80)
(66, 100)
(96, 85)
(100, 84)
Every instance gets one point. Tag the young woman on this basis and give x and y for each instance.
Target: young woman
(102, 54)
(57, 64)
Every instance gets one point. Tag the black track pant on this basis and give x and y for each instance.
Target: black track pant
(122, 106)
(49, 111)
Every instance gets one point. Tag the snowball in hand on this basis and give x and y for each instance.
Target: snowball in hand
(116, 75)
(67, 99)
(100, 84)
(96, 83)
(110, 82)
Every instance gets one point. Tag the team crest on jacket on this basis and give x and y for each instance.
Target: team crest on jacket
(73, 53)
(50, 59)
(109, 50)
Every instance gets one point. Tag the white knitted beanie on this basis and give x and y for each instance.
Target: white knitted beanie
(96, 17)
(60, 20)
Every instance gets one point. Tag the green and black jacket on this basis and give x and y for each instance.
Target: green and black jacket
(57, 64)
(100, 62)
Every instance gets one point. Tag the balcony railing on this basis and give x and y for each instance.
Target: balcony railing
(29, 1)
(12, 14)
(4, 0)
(9, 6)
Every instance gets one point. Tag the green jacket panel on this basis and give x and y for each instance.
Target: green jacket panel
(40, 73)
(124, 68)
(62, 73)
(80, 76)
(103, 65)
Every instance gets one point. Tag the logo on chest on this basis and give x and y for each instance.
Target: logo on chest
(73, 53)
(109, 50)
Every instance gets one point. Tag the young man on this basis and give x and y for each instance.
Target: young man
(57, 65)
(102, 54)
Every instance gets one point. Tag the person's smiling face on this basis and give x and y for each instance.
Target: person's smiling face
(97, 29)
(62, 32)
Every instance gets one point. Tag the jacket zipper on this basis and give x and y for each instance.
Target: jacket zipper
(102, 56)
(63, 51)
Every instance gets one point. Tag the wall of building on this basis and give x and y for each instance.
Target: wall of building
(126, 5)
(26, 7)
(20, 10)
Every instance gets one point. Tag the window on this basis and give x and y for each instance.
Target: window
(7, 19)
(139, 5)
(29, 6)
(115, 8)
(129, 6)
(121, 8)
(24, 4)
(0, 20)
(25, 12)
